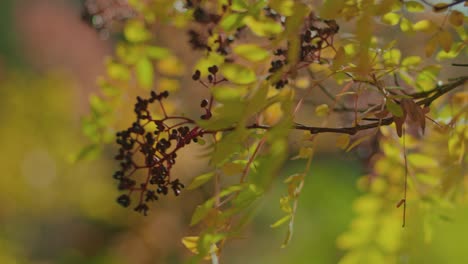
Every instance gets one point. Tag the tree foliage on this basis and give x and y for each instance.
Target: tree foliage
(370, 69)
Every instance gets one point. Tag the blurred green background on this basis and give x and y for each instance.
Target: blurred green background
(56, 210)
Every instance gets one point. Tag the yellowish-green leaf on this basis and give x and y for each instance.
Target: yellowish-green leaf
(284, 7)
(118, 71)
(135, 31)
(394, 108)
(453, 53)
(200, 180)
(251, 52)
(157, 53)
(263, 28)
(322, 110)
(425, 26)
(231, 168)
(238, 74)
(456, 18)
(191, 243)
(170, 66)
(232, 21)
(406, 25)
(392, 57)
(281, 221)
(411, 61)
(304, 153)
(225, 93)
(417, 160)
(145, 73)
(413, 6)
(391, 18)
(445, 40)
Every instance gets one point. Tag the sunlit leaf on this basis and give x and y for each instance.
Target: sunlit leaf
(425, 26)
(281, 221)
(411, 61)
(251, 52)
(391, 19)
(238, 74)
(343, 141)
(413, 6)
(135, 31)
(263, 28)
(406, 25)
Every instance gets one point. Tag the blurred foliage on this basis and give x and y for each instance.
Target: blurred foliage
(57, 186)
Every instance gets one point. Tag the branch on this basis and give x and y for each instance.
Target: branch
(436, 93)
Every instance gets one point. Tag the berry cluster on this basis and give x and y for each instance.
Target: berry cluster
(150, 145)
(317, 34)
(213, 79)
(207, 20)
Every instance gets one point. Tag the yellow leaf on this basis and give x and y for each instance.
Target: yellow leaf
(391, 19)
(251, 52)
(456, 18)
(304, 153)
(413, 6)
(430, 47)
(343, 141)
(425, 26)
(322, 110)
(357, 142)
(281, 221)
(191, 243)
(272, 114)
(166, 84)
(405, 25)
(170, 66)
(411, 61)
(238, 74)
(445, 40)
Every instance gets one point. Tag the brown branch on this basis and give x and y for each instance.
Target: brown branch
(436, 93)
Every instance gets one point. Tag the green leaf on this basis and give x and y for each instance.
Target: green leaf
(118, 71)
(414, 7)
(202, 211)
(391, 19)
(144, 73)
(281, 221)
(135, 31)
(227, 93)
(200, 180)
(232, 21)
(394, 108)
(392, 57)
(251, 52)
(238, 74)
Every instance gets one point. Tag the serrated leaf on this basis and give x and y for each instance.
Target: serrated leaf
(445, 40)
(144, 73)
(200, 180)
(414, 7)
(251, 52)
(281, 221)
(456, 18)
(411, 61)
(238, 74)
(391, 18)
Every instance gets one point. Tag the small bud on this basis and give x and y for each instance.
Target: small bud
(204, 103)
(196, 75)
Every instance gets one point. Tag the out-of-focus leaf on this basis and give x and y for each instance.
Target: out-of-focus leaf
(263, 28)
(281, 221)
(394, 108)
(322, 110)
(145, 73)
(391, 18)
(411, 61)
(414, 7)
(425, 26)
(251, 52)
(135, 31)
(445, 40)
(238, 74)
(200, 180)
